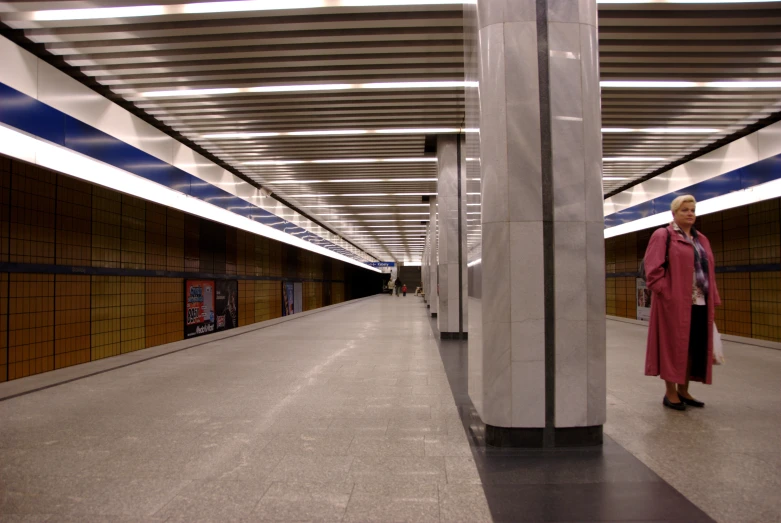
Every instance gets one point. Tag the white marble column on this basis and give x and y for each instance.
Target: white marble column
(452, 319)
(542, 246)
(433, 260)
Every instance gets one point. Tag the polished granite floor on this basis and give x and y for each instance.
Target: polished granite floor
(349, 414)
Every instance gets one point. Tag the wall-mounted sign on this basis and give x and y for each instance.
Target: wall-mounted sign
(210, 306)
(380, 265)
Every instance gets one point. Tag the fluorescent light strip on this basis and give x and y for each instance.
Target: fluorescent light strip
(613, 178)
(674, 84)
(473, 263)
(758, 193)
(236, 6)
(684, 1)
(634, 159)
(661, 130)
(368, 205)
(374, 221)
(353, 180)
(308, 87)
(27, 148)
(334, 132)
(366, 195)
(343, 160)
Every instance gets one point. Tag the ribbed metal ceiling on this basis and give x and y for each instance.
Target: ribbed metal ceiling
(382, 209)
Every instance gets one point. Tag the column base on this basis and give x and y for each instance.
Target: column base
(433, 314)
(454, 335)
(532, 437)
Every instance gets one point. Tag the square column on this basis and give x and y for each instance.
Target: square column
(452, 320)
(543, 315)
(433, 261)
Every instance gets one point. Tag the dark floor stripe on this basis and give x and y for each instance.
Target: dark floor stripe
(561, 485)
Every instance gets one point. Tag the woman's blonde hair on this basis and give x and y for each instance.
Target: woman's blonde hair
(686, 198)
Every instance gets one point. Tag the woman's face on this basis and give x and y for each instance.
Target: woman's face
(685, 214)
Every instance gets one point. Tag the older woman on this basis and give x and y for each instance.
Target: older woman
(680, 271)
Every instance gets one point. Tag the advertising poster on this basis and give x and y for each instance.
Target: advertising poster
(288, 298)
(198, 307)
(643, 295)
(226, 305)
(210, 306)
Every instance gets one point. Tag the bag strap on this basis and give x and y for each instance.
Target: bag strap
(667, 252)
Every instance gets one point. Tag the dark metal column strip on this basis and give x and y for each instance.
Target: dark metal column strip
(546, 153)
(460, 246)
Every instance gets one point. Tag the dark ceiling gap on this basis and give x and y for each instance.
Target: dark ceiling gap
(18, 37)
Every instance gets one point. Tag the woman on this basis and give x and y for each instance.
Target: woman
(681, 274)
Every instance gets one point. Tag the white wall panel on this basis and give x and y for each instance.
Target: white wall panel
(18, 68)
(735, 155)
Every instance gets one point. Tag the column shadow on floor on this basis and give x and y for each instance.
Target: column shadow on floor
(586, 484)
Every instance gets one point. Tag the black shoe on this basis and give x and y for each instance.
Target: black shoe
(675, 406)
(692, 402)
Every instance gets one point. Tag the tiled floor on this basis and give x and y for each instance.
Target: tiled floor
(726, 458)
(349, 415)
(343, 415)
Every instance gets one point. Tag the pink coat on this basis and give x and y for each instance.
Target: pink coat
(667, 351)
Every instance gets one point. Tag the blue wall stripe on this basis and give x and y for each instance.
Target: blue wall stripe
(34, 117)
(757, 173)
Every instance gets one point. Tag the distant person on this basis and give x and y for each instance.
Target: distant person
(398, 286)
(682, 277)
(404, 290)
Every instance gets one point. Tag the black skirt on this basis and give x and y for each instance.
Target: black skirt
(698, 343)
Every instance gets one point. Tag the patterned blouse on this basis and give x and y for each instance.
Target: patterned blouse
(698, 298)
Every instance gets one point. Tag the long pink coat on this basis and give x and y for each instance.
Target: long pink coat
(667, 351)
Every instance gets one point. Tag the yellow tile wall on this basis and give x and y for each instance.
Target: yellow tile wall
(71, 320)
(5, 208)
(164, 310)
(132, 313)
(106, 227)
(337, 292)
(3, 327)
(30, 325)
(246, 302)
(764, 232)
(264, 291)
(133, 233)
(174, 240)
(33, 210)
(155, 244)
(106, 306)
(766, 305)
(74, 222)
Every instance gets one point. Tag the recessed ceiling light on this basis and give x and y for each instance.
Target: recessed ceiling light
(683, 1)
(171, 93)
(235, 6)
(343, 160)
(634, 159)
(613, 178)
(353, 180)
(365, 194)
(682, 84)
(661, 130)
(334, 132)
